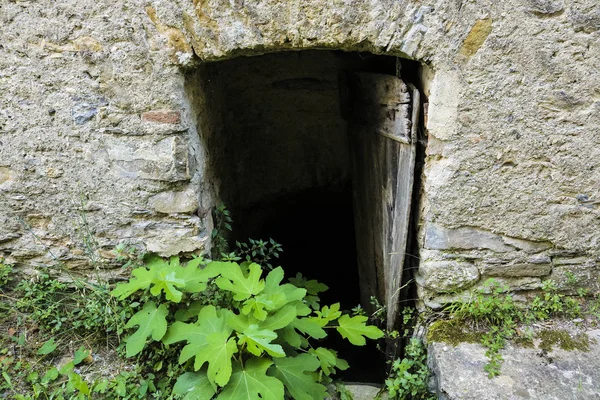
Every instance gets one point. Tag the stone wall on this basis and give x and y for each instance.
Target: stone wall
(99, 135)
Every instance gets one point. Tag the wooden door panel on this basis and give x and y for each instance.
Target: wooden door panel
(383, 152)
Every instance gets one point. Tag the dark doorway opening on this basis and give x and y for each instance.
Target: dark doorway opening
(280, 154)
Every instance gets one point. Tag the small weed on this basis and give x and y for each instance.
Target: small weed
(408, 376)
(223, 221)
(259, 251)
(571, 278)
(58, 307)
(6, 271)
(492, 316)
(128, 255)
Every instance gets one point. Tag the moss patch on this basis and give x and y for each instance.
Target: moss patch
(452, 332)
(524, 341)
(563, 339)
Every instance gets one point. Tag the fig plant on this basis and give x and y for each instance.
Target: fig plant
(241, 335)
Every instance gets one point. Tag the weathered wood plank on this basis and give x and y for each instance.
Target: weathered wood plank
(383, 165)
(385, 99)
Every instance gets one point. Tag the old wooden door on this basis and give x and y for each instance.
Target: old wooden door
(384, 115)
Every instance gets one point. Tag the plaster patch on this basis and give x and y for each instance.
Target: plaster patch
(443, 105)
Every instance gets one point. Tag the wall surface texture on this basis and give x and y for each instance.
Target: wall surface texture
(100, 141)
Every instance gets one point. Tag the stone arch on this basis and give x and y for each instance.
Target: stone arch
(222, 29)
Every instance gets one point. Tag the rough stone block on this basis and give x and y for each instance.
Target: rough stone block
(168, 238)
(570, 277)
(545, 7)
(441, 238)
(166, 160)
(528, 246)
(526, 373)
(444, 276)
(174, 202)
(509, 270)
(512, 284)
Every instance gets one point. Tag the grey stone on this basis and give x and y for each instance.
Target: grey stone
(570, 277)
(86, 108)
(444, 276)
(364, 392)
(165, 160)
(545, 7)
(585, 18)
(169, 238)
(525, 374)
(174, 202)
(358, 391)
(441, 238)
(513, 284)
(515, 269)
(528, 246)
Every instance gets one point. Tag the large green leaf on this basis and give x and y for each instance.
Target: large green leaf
(142, 279)
(355, 329)
(258, 306)
(329, 360)
(294, 372)
(290, 336)
(281, 295)
(151, 321)
(327, 314)
(194, 278)
(191, 311)
(252, 382)
(277, 320)
(259, 340)
(166, 280)
(233, 279)
(167, 276)
(195, 386)
(208, 341)
(309, 326)
(312, 286)
(159, 275)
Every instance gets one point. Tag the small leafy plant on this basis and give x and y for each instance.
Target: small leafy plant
(58, 307)
(494, 316)
(408, 376)
(255, 340)
(5, 273)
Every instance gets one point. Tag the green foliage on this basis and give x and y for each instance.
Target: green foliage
(5, 273)
(223, 221)
(408, 376)
(296, 373)
(355, 329)
(552, 303)
(494, 310)
(256, 340)
(151, 321)
(48, 347)
(59, 307)
(252, 382)
(259, 251)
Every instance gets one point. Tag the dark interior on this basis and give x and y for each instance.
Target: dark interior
(279, 152)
